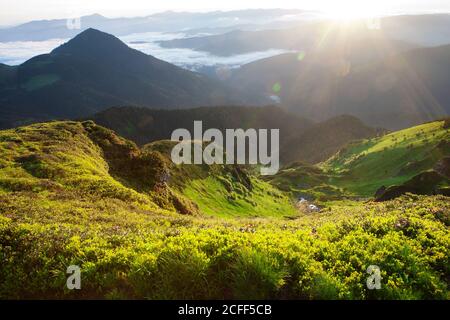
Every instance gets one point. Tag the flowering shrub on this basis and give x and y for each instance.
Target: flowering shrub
(153, 256)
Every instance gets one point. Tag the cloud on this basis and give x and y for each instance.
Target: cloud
(14, 53)
(17, 52)
(146, 42)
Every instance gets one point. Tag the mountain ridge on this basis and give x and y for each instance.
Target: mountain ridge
(419, 30)
(41, 30)
(393, 91)
(299, 137)
(95, 71)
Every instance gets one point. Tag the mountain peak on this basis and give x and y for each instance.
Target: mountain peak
(95, 16)
(91, 32)
(91, 42)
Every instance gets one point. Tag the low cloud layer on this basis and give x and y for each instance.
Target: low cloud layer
(14, 53)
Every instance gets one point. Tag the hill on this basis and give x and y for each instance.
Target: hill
(419, 30)
(192, 22)
(391, 159)
(94, 71)
(426, 30)
(393, 91)
(331, 135)
(87, 161)
(75, 193)
(299, 137)
(415, 156)
(144, 125)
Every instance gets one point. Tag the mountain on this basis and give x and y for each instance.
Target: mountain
(82, 160)
(140, 227)
(393, 159)
(424, 30)
(160, 22)
(419, 30)
(245, 41)
(411, 160)
(299, 137)
(94, 71)
(143, 125)
(41, 30)
(322, 140)
(390, 90)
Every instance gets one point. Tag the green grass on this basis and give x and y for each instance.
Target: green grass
(362, 167)
(214, 199)
(127, 252)
(59, 156)
(141, 227)
(226, 191)
(389, 160)
(85, 158)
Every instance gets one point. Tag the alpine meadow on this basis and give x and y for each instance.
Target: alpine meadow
(254, 154)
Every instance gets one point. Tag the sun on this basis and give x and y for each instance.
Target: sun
(352, 9)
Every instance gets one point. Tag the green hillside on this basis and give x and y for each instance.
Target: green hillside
(90, 161)
(75, 193)
(392, 159)
(364, 166)
(224, 190)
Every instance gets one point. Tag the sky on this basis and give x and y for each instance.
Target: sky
(19, 11)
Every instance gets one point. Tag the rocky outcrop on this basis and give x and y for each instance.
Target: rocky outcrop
(425, 183)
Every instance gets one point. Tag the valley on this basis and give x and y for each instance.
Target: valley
(99, 113)
(143, 227)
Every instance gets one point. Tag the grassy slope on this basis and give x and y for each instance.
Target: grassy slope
(70, 195)
(264, 200)
(389, 160)
(362, 167)
(85, 160)
(133, 254)
(226, 191)
(47, 169)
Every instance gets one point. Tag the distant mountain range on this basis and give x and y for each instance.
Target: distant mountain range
(95, 71)
(377, 81)
(143, 125)
(211, 22)
(299, 137)
(419, 30)
(341, 70)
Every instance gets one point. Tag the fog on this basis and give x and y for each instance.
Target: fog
(14, 53)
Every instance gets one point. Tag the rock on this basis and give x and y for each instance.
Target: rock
(304, 205)
(425, 183)
(443, 167)
(447, 123)
(380, 191)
